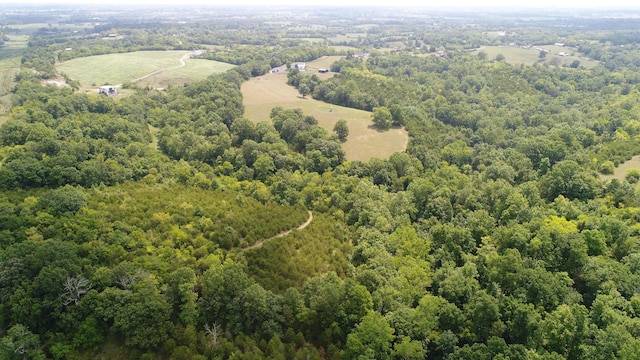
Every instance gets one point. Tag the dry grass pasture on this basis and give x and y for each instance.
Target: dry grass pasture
(323, 63)
(364, 142)
(621, 171)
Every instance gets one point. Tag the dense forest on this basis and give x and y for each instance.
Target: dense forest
(165, 224)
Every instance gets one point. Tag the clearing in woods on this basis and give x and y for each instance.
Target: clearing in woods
(9, 67)
(621, 171)
(364, 142)
(146, 68)
(519, 55)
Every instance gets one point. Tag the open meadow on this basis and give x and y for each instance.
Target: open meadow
(621, 170)
(323, 63)
(14, 47)
(364, 142)
(344, 48)
(145, 68)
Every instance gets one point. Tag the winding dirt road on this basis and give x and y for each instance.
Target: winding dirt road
(259, 243)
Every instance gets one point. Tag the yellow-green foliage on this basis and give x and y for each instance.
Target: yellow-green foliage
(178, 224)
(290, 260)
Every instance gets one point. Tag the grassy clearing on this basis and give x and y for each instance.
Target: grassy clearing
(310, 27)
(309, 39)
(396, 45)
(154, 138)
(366, 26)
(119, 68)
(263, 93)
(323, 62)
(8, 70)
(518, 55)
(194, 70)
(14, 47)
(621, 171)
(33, 27)
(345, 48)
(346, 37)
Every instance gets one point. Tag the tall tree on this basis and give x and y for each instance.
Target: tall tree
(382, 117)
(341, 129)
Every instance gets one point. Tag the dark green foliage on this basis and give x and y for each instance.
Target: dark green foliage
(341, 129)
(567, 178)
(63, 200)
(382, 118)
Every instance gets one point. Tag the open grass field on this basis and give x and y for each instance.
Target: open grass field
(153, 68)
(322, 63)
(194, 70)
(33, 27)
(8, 69)
(518, 55)
(309, 39)
(366, 26)
(621, 171)
(5, 106)
(344, 48)
(346, 37)
(364, 142)
(14, 47)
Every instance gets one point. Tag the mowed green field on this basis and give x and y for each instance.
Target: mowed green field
(194, 70)
(153, 68)
(364, 142)
(518, 55)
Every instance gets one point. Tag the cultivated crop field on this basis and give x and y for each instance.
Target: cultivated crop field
(364, 142)
(152, 68)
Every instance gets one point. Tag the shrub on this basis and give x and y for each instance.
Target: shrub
(633, 176)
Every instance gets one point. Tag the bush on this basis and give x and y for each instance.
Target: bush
(633, 176)
(607, 168)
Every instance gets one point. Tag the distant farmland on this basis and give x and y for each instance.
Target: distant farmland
(519, 55)
(152, 68)
(364, 142)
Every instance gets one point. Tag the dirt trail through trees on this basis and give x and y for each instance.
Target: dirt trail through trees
(259, 243)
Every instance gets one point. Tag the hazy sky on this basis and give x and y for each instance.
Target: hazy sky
(427, 3)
